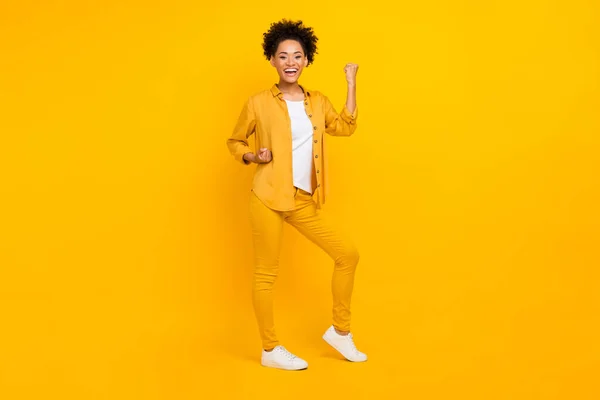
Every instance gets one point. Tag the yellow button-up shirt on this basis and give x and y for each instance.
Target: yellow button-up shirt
(266, 116)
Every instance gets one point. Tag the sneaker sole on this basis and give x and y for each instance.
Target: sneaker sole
(326, 338)
(273, 365)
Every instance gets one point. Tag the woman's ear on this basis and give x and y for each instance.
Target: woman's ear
(272, 61)
(305, 61)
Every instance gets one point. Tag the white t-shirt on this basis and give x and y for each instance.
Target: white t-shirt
(302, 134)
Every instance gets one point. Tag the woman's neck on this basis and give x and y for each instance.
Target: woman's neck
(290, 88)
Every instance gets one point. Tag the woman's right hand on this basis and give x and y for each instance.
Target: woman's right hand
(264, 156)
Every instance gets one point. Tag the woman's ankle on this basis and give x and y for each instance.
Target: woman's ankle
(342, 333)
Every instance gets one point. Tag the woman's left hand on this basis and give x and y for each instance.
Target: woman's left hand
(350, 70)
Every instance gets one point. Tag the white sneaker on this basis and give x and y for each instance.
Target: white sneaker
(344, 344)
(280, 358)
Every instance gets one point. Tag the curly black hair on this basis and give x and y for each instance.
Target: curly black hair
(286, 29)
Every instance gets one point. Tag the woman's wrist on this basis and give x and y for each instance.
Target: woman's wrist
(248, 157)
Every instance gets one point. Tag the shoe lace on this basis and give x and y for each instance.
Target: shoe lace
(351, 342)
(286, 353)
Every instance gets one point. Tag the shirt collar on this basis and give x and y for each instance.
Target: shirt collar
(276, 92)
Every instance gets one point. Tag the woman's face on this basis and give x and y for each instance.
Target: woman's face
(289, 60)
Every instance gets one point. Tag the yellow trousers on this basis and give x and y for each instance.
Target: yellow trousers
(267, 227)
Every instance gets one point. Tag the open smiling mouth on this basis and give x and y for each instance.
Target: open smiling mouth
(290, 71)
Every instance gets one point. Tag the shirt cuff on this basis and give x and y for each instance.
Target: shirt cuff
(240, 156)
(349, 117)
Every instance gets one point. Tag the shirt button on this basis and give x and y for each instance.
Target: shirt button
(316, 140)
(309, 115)
(316, 156)
(315, 128)
(306, 103)
(317, 171)
(318, 185)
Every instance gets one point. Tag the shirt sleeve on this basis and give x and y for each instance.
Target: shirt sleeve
(245, 126)
(342, 124)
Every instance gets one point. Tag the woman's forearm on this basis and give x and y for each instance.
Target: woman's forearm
(351, 98)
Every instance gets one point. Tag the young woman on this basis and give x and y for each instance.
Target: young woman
(289, 122)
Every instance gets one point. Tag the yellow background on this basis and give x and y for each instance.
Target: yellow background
(471, 188)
